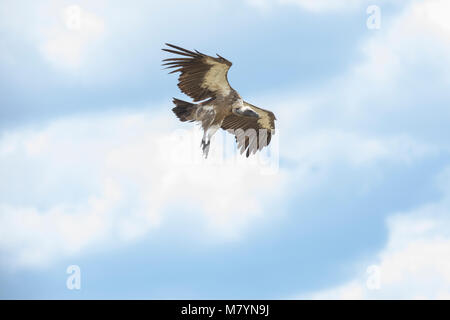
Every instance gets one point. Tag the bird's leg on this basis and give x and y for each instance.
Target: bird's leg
(205, 144)
(207, 134)
(205, 148)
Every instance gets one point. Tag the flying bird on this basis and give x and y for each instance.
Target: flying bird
(204, 79)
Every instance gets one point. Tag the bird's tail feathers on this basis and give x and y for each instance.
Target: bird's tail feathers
(185, 111)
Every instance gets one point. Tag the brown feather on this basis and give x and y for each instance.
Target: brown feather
(194, 68)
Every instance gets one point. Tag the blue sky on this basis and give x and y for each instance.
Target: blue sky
(93, 163)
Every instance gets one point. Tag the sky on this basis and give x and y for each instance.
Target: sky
(352, 201)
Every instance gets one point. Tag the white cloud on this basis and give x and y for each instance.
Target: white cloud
(322, 5)
(84, 182)
(65, 42)
(419, 36)
(310, 5)
(328, 146)
(91, 180)
(80, 183)
(415, 264)
(374, 110)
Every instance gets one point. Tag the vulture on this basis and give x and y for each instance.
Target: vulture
(204, 79)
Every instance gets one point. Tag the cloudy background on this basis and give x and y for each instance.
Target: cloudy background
(96, 171)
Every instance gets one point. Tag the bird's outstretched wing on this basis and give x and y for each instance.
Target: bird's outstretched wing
(201, 76)
(252, 133)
